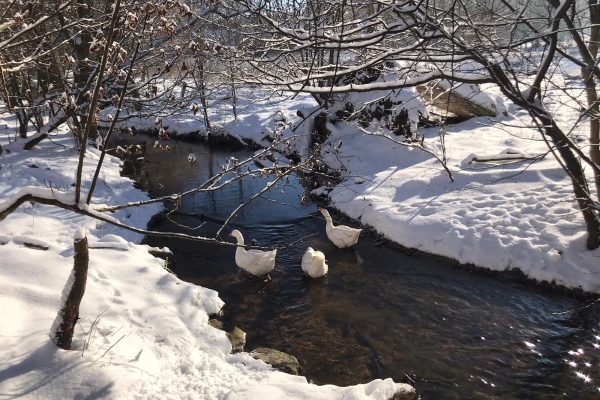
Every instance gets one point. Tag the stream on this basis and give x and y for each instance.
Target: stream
(451, 332)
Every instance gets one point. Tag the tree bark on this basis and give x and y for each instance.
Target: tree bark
(591, 91)
(233, 94)
(561, 145)
(201, 87)
(69, 313)
(320, 131)
(23, 122)
(578, 179)
(30, 144)
(81, 45)
(594, 113)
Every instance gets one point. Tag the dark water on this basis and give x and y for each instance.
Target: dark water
(379, 313)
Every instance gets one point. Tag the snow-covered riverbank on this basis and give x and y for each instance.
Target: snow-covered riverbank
(497, 215)
(505, 215)
(509, 215)
(143, 333)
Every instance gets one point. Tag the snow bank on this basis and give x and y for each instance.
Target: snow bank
(520, 214)
(498, 215)
(377, 389)
(143, 333)
(262, 116)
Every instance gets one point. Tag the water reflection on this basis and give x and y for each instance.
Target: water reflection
(379, 313)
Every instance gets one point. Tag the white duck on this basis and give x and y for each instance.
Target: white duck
(313, 263)
(256, 262)
(342, 236)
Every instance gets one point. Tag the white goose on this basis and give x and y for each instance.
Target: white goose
(256, 262)
(313, 263)
(342, 236)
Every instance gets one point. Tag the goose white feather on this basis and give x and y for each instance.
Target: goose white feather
(256, 262)
(342, 236)
(313, 263)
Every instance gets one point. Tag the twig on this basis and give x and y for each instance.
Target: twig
(113, 345)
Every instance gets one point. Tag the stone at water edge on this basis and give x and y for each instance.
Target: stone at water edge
(215, 323)
(406, 392)
(278, 359)
(237, 337)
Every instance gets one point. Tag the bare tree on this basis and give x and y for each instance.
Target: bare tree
(134, 57)
(128, 36)
(432, 40)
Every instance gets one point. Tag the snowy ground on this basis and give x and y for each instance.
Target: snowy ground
(261, 114)
(143, 333)
(519, 215)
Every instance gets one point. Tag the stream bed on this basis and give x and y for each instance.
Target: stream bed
(451, 332)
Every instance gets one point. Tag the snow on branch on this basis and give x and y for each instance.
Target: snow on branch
(66, 200)
(456, 76)
(506, 155)
(32, 26)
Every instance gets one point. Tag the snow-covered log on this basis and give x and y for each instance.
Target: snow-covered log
(506, 155)
(459, 100)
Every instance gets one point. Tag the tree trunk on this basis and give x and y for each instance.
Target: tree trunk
(233, 94)
(20, 113)
(590, 86)
(64, 324)
(23, 122)
(6, 94)
(580, 187)
(320, 131)
(81, 45)
(594, 113)
(201, 86)
(566, 156)
(31, 143)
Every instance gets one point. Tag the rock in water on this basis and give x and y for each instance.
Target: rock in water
(406, 392)
(215, 323)
(237, 337)
(278, 359)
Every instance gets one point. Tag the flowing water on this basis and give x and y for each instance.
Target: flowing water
(453, 333)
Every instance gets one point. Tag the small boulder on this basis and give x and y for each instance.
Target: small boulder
(405, 392)
(278, 359)
(215, 323)
(237, 337)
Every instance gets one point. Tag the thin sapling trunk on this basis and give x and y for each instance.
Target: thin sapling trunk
(64, 324)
